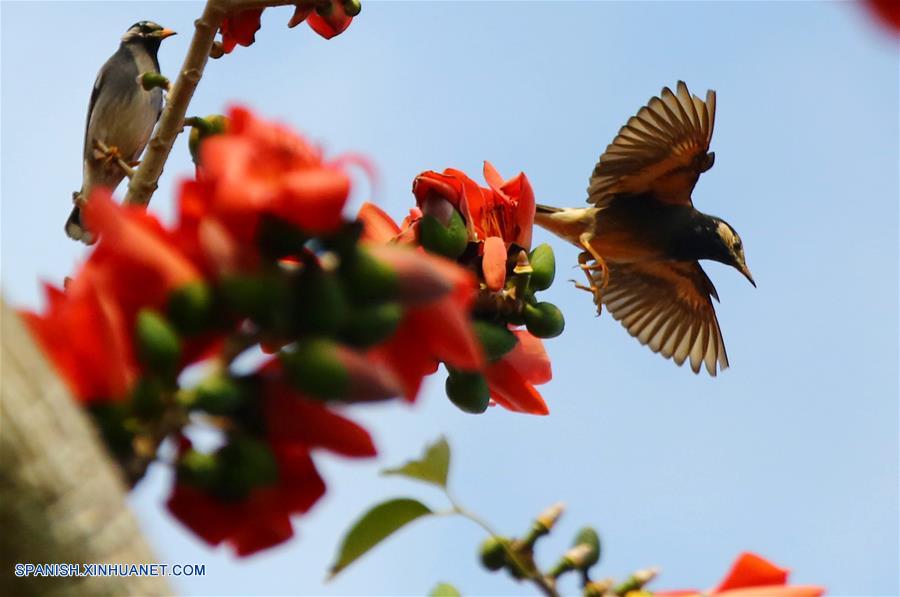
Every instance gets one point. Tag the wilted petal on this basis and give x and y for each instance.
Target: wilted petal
(240, 28)
(334, 24)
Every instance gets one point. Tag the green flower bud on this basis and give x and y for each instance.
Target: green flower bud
(158, 345)
(496, 340)
(246, 464)
(314, 367)
(146, 397)
(199, 469)
(588, 536)
(468, 391)
(493, 552)
(448, 241)
(152, 80)
(322, 306)
(544, 320)
(218, 395)
(191, 308)
(352, 7)
(543, 265)
(266, 300)
(368, 280)
(369, 325)
(201, 128)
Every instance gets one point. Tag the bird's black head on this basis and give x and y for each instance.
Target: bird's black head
(725, 246)
(146, 33)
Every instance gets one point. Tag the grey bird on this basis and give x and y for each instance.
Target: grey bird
(121, 116)
(645, 238)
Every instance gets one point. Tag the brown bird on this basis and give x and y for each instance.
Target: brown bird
(642, 237)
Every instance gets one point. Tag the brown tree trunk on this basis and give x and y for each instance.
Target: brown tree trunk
(62, 499)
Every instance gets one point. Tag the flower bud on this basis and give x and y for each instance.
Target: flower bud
(597, 588)
(588, 536)
(448, 240)
(352, 7)
(367, 279)
(201, 128)
(321, 306)
(636, 581)
(198, 469)
(544, 320)
(191, 307)
(493, 552)
(419, 277)
(152, 80)
(543, 265)
(369, 325)
(468, 391)
(245, 464)
(278, 238)
(158, 345)
(329, 371)
(266, 299)
(495, 339)
(218, 395)
(146, 397)
(574, 559)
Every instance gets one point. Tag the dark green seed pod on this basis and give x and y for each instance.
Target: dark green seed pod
(352, 7)
(325, 9)
(266, 299)
(158, 345)
(544, 320)
(468, 391)
(543, 265)
(191, 308)
(278, 238)
(199, 469)
(201, 128)
(146, 397)
(246, 464)
(495, 339)
(493, 553)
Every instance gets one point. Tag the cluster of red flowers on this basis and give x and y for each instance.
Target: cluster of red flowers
(260, 255)
(328, 19)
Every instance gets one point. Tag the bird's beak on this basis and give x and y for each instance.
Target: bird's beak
(742, 267)
(164, 33)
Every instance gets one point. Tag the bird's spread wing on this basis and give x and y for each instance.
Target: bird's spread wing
(667, 305)
(663, 149)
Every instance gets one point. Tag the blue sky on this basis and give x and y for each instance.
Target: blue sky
(792, 453)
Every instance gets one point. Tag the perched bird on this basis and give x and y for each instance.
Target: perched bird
(642, 237)
(121, 116)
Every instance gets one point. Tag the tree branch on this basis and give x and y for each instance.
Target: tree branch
(62, 499)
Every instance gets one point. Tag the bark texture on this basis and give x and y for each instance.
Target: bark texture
(62, 499)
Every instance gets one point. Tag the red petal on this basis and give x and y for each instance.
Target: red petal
(750, 570)
(512, 392)
(262, 531)
(529, 358)
(493, 263)
(377, 225)
(313, 199)
(332, 25)
(446, 330)
(774, 591)
(210, 519)
(240, 28)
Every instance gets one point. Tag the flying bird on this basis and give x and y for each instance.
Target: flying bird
(121, 116)
(642, 237)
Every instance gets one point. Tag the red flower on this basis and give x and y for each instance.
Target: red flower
(752, 576)
(240, 28)
(260, 167)
(502, 212)
(335, 23)
(887, 12)
(85, 336)
(426, 337)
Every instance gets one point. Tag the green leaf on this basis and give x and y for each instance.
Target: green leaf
(431, 468)
(376, 525)
(444, 590)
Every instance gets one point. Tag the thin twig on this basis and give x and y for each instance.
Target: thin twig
(539, 581)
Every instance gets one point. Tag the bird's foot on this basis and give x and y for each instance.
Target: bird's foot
(110, 155)
(595, 291)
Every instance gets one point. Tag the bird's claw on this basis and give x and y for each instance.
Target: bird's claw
(595, 291)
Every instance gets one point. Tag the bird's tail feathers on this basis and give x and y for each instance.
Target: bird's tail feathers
(76, 230)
